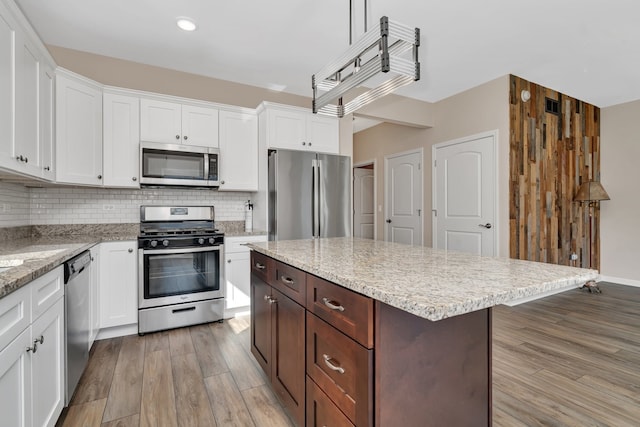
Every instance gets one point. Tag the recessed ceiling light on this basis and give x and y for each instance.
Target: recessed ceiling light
(186, 24)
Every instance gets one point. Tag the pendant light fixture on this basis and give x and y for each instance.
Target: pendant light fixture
(387, 52)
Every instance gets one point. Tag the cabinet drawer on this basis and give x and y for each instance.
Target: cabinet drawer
(46, 290)
(262, 266)
(15, 314)
(348, 311)
(290, 281)
(238, 244)
(342, 368)
(321, 411)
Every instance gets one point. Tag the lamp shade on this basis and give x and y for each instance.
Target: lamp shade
(591, 191)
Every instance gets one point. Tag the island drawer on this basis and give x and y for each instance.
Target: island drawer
(290, 281)
(348, 311)
(262, 265)
(321, 411)
(342, 368)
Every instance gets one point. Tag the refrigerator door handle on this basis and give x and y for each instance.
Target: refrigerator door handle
(315, 199)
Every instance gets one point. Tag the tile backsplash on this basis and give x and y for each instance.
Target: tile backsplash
(75, 205)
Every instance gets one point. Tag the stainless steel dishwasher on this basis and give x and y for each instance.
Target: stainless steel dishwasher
(77, 276)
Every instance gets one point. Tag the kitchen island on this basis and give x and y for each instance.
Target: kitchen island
(388, 334)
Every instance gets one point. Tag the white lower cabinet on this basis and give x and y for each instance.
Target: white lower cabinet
(47, 365)
(118, 276)
(32, 363)
(237, 273)
(94, 295)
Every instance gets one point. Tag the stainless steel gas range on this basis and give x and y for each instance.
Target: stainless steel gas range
(180, 265)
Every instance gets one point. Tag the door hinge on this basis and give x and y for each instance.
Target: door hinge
(435, 212)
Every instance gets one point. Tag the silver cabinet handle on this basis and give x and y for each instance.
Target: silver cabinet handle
(267, 298)
(329, 362)
(39, 340)
(332, 305)
(309, 144)
(26, 160)
(47, 168)
(33, 349)
(228, 261)
(99, 176)
(304, 143)
(129, 250)
(177, 136)
(260, 266)
(185, 137)
(221, 182)
(133, 178)
(487, 225)
(287, 280)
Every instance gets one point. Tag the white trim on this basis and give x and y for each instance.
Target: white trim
(620, 281)
(373, 162)
(386, 178)
(496, 185)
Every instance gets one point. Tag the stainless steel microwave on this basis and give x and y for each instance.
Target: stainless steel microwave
(178, 165)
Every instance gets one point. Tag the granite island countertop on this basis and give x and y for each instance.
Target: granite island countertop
(431, 283)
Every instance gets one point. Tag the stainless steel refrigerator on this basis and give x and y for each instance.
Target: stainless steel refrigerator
(309, 195)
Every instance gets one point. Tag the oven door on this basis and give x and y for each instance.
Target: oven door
(172, 276)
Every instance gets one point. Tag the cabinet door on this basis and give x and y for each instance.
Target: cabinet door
(78, 132)
(238, 151)
(94, 295)
(47, 365)
(160, 121)
(287, 354)
(286, 129)
(7, 95)
(200, 126)
(121, 140)
(15, 382)
(261, 322)
(46, 122)
(237, 276)
(118, 284)
(323, 134)
(27, 141)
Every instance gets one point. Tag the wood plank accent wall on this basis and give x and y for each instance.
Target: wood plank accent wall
(550, 156)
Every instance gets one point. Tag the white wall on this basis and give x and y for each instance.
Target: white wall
(619, 217)
(74, 205)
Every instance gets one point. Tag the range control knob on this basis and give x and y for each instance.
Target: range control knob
(153, 243)
(201, 241)
(165, 242)
(211, 240)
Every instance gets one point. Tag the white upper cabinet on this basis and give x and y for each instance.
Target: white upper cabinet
(47, 147)
(121, 127)
(299, 129)
(24, 106)
(173, 123)
(78, 130)
(238, 151)
(7, 96)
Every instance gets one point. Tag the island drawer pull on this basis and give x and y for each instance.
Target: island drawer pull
(332, 305)
(287, 280)
(329, 362)
(260, 266)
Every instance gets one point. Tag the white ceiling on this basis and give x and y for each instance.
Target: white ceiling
(587, 49)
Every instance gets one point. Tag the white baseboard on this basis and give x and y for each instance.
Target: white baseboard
(620, 281)
(117, 331)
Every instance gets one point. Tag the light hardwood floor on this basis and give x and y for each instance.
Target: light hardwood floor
(571, 359)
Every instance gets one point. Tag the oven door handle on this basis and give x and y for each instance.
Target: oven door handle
(180, 251)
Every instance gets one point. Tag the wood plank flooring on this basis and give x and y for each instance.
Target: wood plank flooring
(571, 359)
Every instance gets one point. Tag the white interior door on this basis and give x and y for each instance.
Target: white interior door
(464, 195)
(363, 203)
(403, 198)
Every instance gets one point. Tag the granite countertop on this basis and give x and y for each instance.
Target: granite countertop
(430, 283)
(41, 254)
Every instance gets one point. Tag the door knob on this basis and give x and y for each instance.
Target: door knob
(388, 221)
(487, 225)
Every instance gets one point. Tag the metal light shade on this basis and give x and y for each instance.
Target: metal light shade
(591, 191)
(379, 52)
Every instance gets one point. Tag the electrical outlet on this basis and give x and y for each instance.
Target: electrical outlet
(108, 207)
(574, 256)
